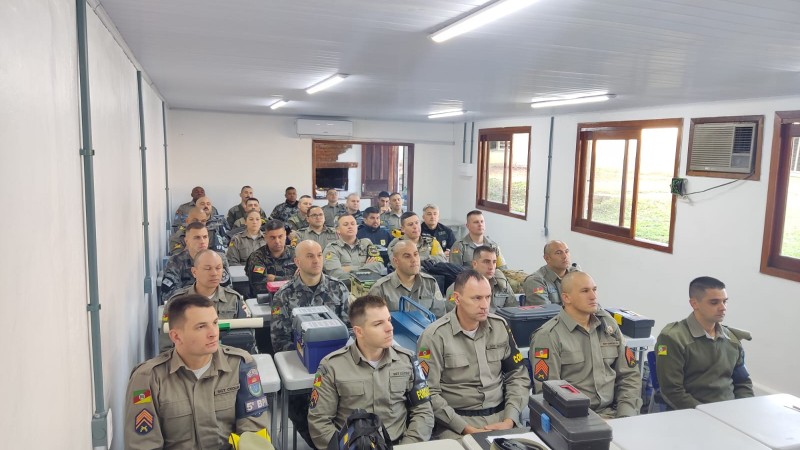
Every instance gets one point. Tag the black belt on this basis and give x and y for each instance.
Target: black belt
(481, 412)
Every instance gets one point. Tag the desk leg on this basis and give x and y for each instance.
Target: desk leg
(284, 418)
(273, 419)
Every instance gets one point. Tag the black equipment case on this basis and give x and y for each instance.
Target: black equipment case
(632, 324)
(589, 432)
(524, 320)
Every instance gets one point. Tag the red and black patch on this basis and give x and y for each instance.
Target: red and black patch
(314, 398)
(143, 422)
(425, 367)
(630, 357)
(541, 371)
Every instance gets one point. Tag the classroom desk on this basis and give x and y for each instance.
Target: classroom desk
(271, 384)
(685, 429)
(768, 419)
(295, 379)
(442, 444)
(237, 274)
(263, 339)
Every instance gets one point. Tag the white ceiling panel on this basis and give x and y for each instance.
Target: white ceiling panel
(242, 55)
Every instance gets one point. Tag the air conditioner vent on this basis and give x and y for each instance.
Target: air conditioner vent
(723, 147)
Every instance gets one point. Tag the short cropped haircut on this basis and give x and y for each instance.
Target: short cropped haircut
(430, 206)
(304, 196)
(245, 187)
(252, 199)
(698, 286)
(383, 194)
(405, 216)
(474, 212)
(314, 207)
(464, 276)
(358, 309)
(203, 252)
(176, 310)
(371, 210)
(258, 213)
(273, 225)
(349, 196)
(481, 249)
(339, 219)
(290, 188)
(195, 226)
(395, 193)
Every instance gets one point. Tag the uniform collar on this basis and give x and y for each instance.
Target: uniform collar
(455, 325)
(394, 281)
(697, 330)
(549, 275)
(217, 362)
(217, 296)
(571, 324)
(389, 355)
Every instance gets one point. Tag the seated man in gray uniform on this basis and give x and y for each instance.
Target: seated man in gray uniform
(348, 253)
(239, 211)
(461, 252)
(408, 281)
(544, 286)
(272, 262)
(371, 374)
(184, 208)
(391, 218)
(475, 371)
(316, 230)
(310, 287)
(698, 359)
(207, 271)
(178, 271)
(196, 394)
(300, 219)
(584, 346)
(484, 261)
(283, 211)
(333, 209)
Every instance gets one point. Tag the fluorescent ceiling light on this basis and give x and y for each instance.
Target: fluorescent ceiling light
(278, 104)
(572, 101)
(325, 84)
(450, 113)
(480, 18)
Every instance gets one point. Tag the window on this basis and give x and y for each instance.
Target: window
(503, 160)
(780, 252)
(623, 172)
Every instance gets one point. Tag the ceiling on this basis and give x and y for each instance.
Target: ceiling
(243, 55)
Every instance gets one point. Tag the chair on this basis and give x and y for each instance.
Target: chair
(657, 403)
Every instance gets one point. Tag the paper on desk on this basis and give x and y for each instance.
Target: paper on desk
(531, 436)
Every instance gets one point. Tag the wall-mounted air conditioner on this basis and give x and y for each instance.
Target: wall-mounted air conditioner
(324, 127)
(723, 147)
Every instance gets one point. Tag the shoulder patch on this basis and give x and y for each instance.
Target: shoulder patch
(143, 422)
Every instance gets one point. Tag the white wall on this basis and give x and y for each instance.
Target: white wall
(222, 152)
(717, 234)
(49, 372)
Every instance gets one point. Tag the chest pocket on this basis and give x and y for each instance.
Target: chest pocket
(176, 422)
(609, 351)
(350, 389)
(225, 406)
(454, 361)
(226, 310)
(572, 358)
(494, 354)
(499, 300)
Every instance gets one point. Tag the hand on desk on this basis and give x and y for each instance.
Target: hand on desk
(469, 429)
(504, 425)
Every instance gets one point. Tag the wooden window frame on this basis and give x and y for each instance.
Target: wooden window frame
(483, 172)
(756, 173)
(629, 129)
(772, 262)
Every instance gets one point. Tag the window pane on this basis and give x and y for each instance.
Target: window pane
(587, 179)
(608, 171)
(656, 169)
(629, 180)
(519, 173)
(497, 180)
(790, 245)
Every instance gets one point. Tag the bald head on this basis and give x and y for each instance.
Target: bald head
(570, 280)
(579, 295)
(196, 215)
(207, 269)
(307, 245)
(308, 258)
(556, 255)
(402, 246)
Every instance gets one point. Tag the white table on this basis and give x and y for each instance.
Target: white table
(237, 274)
(295, 380)
(271, 384)
(768, 419)
(442, 444)
(685, 429)
(260, 310)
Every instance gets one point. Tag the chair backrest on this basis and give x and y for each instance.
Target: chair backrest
(651, 364)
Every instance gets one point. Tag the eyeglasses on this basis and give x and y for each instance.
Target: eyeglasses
(316, 215)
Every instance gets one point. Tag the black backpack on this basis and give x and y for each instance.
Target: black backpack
(361, 431)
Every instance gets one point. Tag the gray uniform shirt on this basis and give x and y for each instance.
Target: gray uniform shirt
(461, 253)
(466, 372)
(323, 238)
(168, 407)
(425, 291)
(346, 381)
(242, 246)
(502, 295)
(427, 246)
(596, 361)
(331, 213)
(543, 286)
(339, 254)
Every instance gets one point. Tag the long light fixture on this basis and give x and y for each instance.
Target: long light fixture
(572, 101)
(326, 83)
(479, 18)
(449, 113)
(278, 104)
